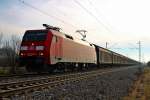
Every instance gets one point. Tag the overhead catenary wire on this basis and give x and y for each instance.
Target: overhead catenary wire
(47, 14)
(92, 15)
(98, 11)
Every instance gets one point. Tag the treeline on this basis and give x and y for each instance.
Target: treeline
(9, 50)
(148, 64)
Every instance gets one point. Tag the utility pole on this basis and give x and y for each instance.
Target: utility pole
(139, 43)
(139, 51)
(106, 45)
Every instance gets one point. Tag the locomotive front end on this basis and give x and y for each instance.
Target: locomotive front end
(34, 49)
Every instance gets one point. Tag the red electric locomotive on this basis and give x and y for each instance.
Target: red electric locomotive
(49, 49)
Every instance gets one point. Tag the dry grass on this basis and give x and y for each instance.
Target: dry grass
(141, 88)
(4, 70)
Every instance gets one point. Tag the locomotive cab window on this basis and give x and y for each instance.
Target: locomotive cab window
(35, 36)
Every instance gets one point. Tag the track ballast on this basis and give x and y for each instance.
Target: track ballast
(7, 90)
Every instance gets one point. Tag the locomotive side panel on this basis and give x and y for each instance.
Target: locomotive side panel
(68, 50)
(76, 52)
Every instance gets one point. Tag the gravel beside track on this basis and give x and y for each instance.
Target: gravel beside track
(102, 85)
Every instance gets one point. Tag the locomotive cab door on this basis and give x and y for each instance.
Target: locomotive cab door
(57, 48)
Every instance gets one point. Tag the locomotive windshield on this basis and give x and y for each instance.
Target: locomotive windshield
(35, 36)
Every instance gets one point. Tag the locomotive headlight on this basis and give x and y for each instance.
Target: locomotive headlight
(21, 54)
(41, 54)
(24, 48)
(39, 47)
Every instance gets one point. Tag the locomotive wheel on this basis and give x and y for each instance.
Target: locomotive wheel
(80, 67)
(86, 66)
(72, 67)
(60, 67)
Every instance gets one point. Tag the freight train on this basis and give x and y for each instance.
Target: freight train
(48, 49)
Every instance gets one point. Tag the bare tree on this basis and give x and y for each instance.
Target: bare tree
(15, 45)
(11, 50)
(7, 51)
(1, 38)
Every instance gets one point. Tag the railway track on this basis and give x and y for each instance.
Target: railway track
(20, 77)
(17, 76)
(7, 90)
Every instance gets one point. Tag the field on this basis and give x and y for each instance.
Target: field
(141, 88)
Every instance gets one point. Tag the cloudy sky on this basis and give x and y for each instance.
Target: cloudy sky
(121, 23)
